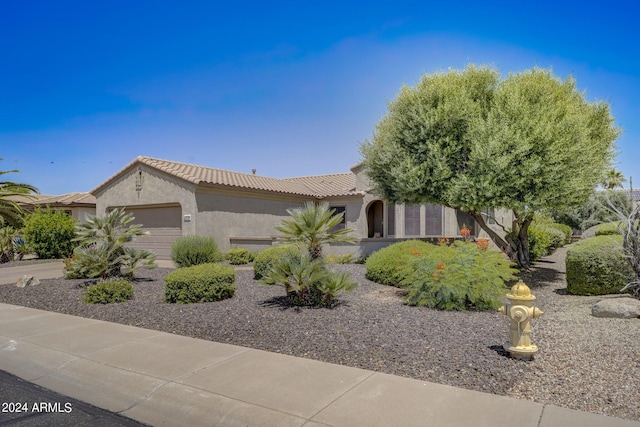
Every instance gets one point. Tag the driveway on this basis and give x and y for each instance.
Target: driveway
(48, 270)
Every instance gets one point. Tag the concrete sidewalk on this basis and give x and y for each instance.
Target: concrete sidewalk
(163, 379)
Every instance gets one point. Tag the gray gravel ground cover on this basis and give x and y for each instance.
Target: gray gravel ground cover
(585, 363)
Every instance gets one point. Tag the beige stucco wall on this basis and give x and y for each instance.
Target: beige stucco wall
(80, 213)
(156, 188)
(227, 214)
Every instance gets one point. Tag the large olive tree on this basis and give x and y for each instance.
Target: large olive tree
(472, 140)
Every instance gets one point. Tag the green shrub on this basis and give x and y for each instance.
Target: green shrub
(458, 276)
(306, 281)
(200, 283)
(238, 256)
(194, 250)
(544, 239)
(386, 265)
(609, 229)
(341, 259)
(108, 291)
(50, 233)
(8, 236)
(597, 266)
(265, 259)
(565, 229)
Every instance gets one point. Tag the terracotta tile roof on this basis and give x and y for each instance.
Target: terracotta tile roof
(338, 184)
(33, 198)
(64, 199)
(312, 186)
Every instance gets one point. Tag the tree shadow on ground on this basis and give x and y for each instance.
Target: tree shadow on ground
(542, 277)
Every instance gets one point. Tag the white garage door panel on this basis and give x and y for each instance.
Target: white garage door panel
(164, 227)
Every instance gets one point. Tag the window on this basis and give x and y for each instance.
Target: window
(412, 220)
(391, 220)
(433, 220)
(337, 211)
(489, 215)
(465, 220)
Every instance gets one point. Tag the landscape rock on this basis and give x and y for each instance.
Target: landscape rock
(27, 280)
(620, 308)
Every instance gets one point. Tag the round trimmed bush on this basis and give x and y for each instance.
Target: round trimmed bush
(386, 265)
(565, 229)
(187, 251)
(264, 261)
(597, 266)
(543, 240)
(108, 292)
(200, 283)
(239, 256)
(608, 229)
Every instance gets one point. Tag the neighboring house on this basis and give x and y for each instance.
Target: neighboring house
(172, 199)
(76, 205)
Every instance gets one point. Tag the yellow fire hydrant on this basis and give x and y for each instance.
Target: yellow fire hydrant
(521, 311)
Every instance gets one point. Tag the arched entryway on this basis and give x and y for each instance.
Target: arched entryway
(375, 212)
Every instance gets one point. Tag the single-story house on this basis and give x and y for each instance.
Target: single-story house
(172, 199)
(76, 205)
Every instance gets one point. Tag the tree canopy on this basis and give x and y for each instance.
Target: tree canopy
(471, 140)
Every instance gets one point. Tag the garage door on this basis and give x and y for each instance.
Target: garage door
(164, 225)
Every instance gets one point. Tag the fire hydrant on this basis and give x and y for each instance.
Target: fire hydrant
(521, 311)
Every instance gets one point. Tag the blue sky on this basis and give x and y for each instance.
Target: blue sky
(287, 88)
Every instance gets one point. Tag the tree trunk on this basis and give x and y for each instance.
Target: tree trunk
(515, 246)
(315, 251)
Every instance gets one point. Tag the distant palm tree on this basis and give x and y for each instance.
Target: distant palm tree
(613, 179)
(10, 211)
(313, 226)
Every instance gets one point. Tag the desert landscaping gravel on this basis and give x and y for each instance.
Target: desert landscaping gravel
(585, 363)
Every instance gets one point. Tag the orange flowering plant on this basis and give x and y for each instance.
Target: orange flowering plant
(457, 277)
(483, 244)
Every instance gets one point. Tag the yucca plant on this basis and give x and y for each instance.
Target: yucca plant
(102, 251)
(312, 226)
(7, 237)
(307, 281)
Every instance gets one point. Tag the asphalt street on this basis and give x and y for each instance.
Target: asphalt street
(26, 404)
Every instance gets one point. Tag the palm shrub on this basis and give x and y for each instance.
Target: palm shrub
(265, 259)
(307, 281)
(102, 251)
(187, 251)
(458, 276)
(7, 237)
(10, 211)
(314, 225)
(50, 233)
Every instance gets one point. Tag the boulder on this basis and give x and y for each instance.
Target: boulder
(27, 280)
(620, 308)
